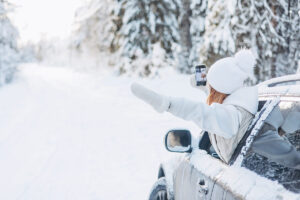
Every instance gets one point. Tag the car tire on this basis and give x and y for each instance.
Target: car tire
(159, 190)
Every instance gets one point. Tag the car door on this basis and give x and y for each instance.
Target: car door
(290, 132)
(220, 190)
(191, 184)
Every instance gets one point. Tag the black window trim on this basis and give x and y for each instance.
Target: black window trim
(242, 144)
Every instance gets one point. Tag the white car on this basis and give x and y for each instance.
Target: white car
(200, 174)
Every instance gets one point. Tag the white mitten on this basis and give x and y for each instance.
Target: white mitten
(159, 102)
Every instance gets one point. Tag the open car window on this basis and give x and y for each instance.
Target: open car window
(291, 125)
(285, 119)
(264, 109)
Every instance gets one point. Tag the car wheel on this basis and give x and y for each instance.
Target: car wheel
(159, 190)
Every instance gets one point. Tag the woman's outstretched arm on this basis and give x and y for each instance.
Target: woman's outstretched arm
(220, 119)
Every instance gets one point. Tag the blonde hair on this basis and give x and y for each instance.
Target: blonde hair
(215, 96)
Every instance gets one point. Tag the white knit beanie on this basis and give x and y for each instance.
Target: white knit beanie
(228, 74)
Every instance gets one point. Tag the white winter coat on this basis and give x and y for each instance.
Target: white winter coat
(226, 123)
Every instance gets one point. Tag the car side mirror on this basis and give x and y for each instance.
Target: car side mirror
(178, 141)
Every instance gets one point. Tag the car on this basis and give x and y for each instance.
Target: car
(200, 174)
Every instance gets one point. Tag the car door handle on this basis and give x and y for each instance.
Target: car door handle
(203, 187)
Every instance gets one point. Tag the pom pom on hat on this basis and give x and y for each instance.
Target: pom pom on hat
(228, 74)
(245, 60)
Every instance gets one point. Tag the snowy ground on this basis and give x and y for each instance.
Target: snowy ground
(70, 135)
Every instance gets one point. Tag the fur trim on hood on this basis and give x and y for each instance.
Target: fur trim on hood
(246, 97)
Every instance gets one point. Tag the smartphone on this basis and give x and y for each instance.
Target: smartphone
(200, 75)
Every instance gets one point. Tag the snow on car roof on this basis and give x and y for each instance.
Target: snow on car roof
(290, 90)
(294, 77)
(284, 86)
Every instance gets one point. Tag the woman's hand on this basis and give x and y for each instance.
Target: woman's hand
(193, 83)
(159, 102)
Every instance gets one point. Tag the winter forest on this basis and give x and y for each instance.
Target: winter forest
(148, 35)
(141, 37)
(69, 126)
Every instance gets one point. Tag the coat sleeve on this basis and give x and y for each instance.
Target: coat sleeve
(220, 119)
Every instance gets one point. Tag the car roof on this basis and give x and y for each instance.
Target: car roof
(285, 86)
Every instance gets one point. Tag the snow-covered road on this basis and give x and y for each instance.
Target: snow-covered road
(70, 135)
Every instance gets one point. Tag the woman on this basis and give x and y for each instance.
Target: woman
(230, 106)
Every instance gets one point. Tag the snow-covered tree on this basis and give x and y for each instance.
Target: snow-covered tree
(178, 25)
(146, 65)
(95, 28)
(185, 36)
(191, 30)
(131, 30)
(188, 32)
(27, 52)
(197, 29)
(146, 23)
(8, 45)
(271, 28)
(95, 40)
(293, 36)
(218, 39)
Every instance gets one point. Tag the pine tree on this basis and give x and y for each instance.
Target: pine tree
(131, 30)
(197, 29)
(269, 28)
(218, 39)
(185, 36)
(191, 30)
(8, 45)
(94, 26)
(272, 29)
(293, 37)
(146, 23)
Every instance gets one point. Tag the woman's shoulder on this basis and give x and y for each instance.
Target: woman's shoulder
(246, 98)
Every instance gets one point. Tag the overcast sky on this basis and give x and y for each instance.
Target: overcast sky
(44, 18)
